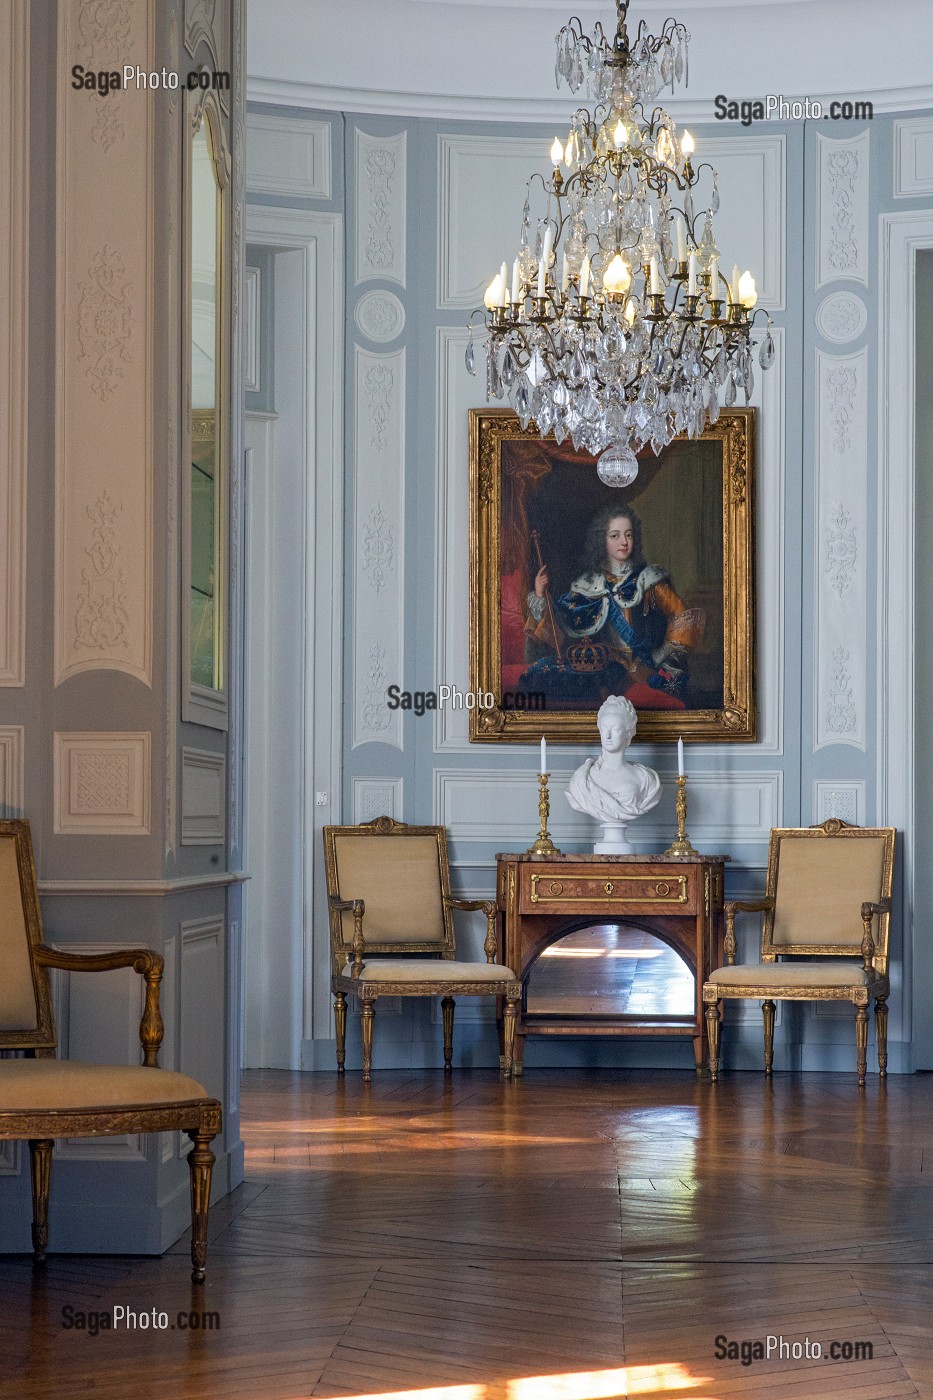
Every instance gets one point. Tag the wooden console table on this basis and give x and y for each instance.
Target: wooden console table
(676, 898)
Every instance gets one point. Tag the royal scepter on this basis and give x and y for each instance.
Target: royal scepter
(547, 597)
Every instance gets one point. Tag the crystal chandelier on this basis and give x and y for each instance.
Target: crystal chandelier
(630, 340)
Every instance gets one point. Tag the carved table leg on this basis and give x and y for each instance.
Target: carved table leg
(767, 1011)
(368, 1012)
(861, 1042)
(40, 1170)
(340, 1022)
(200, 1166)
(881, 1026)
(447, 1010)
(713, 1024)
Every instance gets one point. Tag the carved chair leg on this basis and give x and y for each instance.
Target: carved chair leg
(767, 1011)
(447, 1010)
(40, 1170)
(340, 1022)
(713, 1024)
(508, 1037)
(200, 1165)
(368, 1013)
(861, 1042)
(881, 1026)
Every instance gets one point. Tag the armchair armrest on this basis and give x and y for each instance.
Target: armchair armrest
(869, 909)
(741, 906)
(142, 960)
(488, 907)
(358, 909)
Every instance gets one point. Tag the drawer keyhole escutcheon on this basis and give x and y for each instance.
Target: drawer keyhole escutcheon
(608, 887)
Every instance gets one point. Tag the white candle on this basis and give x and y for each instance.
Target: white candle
(543, 754)
(714, 279)
(681, 241)
(548, 245)
(680, 757)
(655, 276)
(565, 276)
(542, 278)
(692, 275)
(736, 279)
(515, 281)
(585, 277)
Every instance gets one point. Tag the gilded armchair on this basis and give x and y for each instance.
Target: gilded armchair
(43, 1098)
(391, 923)
(827, 907)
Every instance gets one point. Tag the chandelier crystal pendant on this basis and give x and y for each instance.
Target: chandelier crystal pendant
(617, 328)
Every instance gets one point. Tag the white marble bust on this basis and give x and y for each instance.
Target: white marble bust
(610, 788)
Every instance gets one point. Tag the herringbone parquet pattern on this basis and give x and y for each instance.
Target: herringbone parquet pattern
(567, 1237)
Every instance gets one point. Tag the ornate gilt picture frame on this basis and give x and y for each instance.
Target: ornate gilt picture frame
(562, 615)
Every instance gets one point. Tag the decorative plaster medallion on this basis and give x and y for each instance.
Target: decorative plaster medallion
(380, 316)
(841, 317)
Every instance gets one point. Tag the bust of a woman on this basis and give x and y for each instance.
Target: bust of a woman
(610, 788)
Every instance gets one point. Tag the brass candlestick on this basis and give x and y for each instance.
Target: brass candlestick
(682, 846)
(543, 845)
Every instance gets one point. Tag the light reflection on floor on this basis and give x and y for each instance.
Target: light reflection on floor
(610, 970)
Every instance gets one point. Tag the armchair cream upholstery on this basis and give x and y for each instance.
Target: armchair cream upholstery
(43, 1098)
(391, 924)
(828, 905)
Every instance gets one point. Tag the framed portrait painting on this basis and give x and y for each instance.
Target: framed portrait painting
(580, 590)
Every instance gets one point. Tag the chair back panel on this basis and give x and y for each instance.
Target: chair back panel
(26, 1021)
(401, 878)
(18, 1009)
(819, 882)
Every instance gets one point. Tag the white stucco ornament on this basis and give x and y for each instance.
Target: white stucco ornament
(610, 788)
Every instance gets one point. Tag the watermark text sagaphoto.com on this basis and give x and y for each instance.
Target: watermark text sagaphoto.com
(121, 1318)
(771, 1348)
(451, 697)
(104, 81)
(775, 107)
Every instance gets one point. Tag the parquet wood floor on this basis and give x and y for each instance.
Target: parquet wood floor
(569, 1236)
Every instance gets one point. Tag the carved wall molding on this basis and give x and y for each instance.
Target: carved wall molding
(12, 770)
(378, 548)
(102, 784)
(844, 799)
(841, 317)
(842, 209)
(913, 158)
(841, 472)
(380, 316)
(14, 334)
(104, 329)
(203, 797)
(289, 155)
(377, 797)
(381, 188)
(252, 349)
(378, 530)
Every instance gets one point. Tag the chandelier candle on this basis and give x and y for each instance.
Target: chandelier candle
(637, 336)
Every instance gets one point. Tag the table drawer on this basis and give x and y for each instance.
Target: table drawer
(558, 893)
